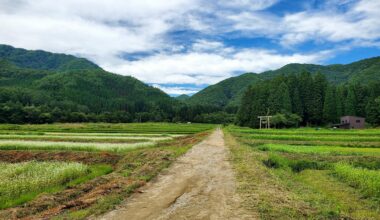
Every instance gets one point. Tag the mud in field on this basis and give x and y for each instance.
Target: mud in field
(199, 185)
(14, 156)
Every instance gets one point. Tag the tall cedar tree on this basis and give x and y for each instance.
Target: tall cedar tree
(350, 104)
(329, 108)
(340, 101)
(284, 99)
(306, 94)
(318, 94)
(373, 108)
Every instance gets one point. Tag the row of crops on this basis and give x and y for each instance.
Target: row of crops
(348, 162)
(139, 128)
(55, 157)
(23, 180)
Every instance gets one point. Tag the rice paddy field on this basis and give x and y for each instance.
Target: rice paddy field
(72, 171)
(308, 173)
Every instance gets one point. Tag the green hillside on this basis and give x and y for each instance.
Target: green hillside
(227, 93)
(42, 60)
(61, 85)
(182, 97)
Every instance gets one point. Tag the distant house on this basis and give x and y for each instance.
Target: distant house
(349, 122)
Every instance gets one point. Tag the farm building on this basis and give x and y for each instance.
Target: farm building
(348, 122)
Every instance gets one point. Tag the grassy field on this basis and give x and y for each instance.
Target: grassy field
(72, 171)
(20, 180)
(308, 173)
(137, 128)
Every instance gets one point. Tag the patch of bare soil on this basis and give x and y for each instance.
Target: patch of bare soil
(14, 156)
(199, 185)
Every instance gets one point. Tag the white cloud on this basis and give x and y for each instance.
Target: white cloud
(102, 30)
(360, 21)
(176, 90)
(98, 30)
(257, 23)
(248, 4)
(209, 68)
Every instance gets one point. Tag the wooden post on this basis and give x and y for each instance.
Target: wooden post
(266, 121)
(260, 122)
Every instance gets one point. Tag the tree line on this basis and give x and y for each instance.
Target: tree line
(293, 100)
(21, 106)
(303, 99)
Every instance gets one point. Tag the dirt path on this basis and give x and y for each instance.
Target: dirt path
(200, 185)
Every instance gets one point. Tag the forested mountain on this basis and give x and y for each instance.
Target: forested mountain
(295, 99)
(42, 60)
(38, 86)
(182, 97)
(43, 87)
(228, 93)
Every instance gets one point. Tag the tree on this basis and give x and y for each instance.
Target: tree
(350, 102)
(329, 107)
(373, 109)
(306, 95)
(283, 98)
(339, 101)
(245, 109)
(318, 94)
(280, 120)
(296, 103)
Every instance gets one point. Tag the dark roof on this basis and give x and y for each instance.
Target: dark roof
(351, 116)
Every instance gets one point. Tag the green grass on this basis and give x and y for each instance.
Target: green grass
(310, 173)
(296, 165)
(142, 151)
(311, 137)
(21, 181)
(368, 181)
(332, 150)
(153, 128)
(329, 197)
(117, 138)
(307, 131)
(71, 146)
(83, 139)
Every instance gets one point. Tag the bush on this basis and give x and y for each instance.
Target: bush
(286, 120)
(275, 161)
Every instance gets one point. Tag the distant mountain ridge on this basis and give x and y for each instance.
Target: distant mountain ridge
(182, 97)
(40, 78)
(42, 60)
(68, 82)
(228, 92)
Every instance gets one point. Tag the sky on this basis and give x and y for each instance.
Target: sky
(181, 46)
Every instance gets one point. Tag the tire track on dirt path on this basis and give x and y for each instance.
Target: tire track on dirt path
(199, 185)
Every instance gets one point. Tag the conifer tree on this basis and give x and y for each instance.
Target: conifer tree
(329, 108)
(285, 102)
(306, 95)
(318, 92)
(373, 108)
(350, 103)
(339, 101)
(296, 103)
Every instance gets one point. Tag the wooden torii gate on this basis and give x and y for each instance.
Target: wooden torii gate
(265, 120)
